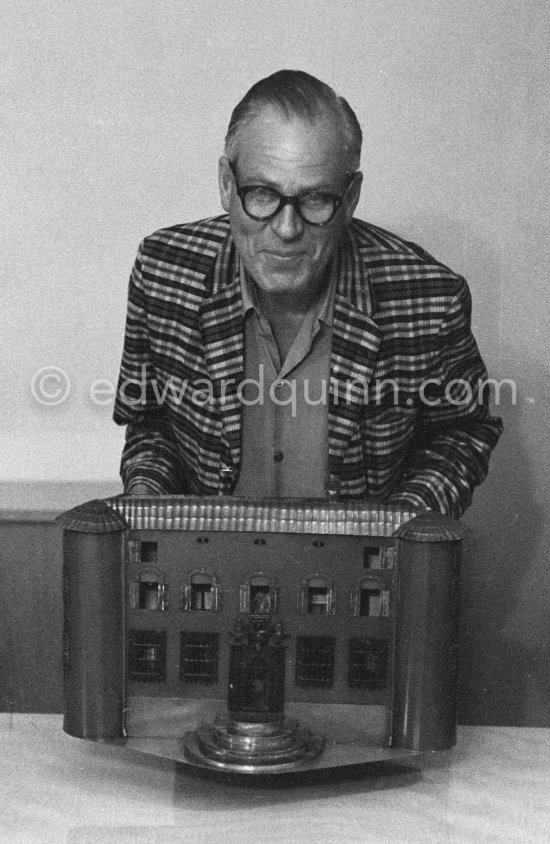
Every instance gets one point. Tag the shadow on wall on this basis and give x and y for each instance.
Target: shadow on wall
(505, 676)
(505, 616)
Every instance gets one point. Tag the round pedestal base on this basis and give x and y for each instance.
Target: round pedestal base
(226, 744)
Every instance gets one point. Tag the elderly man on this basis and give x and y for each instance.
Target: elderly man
(288, 349)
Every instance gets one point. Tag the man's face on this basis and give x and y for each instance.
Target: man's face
(286, 254)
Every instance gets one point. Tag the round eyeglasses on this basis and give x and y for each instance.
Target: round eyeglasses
(316, 208)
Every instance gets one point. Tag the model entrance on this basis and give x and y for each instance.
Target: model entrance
(256, 668)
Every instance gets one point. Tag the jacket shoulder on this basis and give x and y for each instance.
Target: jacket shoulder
(194, 245)
(398, 266)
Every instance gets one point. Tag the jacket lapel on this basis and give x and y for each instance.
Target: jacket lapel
(221, 327)
(355, 344)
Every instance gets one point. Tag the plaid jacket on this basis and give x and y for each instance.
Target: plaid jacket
(408, 418)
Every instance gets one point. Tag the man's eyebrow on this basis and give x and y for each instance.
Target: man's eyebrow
(324, 187)
(261, 180)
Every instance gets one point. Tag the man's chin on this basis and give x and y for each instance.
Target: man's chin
(282, 282)
(279, 275)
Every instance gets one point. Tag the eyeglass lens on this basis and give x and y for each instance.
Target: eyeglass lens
(263, 203)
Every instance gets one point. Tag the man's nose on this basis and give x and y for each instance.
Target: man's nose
(288, 224)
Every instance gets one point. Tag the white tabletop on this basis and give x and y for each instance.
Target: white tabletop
(494, 786)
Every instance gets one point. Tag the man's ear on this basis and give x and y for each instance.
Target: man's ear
(352, 196)
(225, 182)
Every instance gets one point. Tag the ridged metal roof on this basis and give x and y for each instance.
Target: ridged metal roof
(309, 516)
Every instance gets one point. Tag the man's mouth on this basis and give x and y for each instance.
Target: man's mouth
(283, 256)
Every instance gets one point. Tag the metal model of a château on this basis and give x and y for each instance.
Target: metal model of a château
(261, 636)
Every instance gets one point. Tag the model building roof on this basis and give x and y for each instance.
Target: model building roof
(309, 516)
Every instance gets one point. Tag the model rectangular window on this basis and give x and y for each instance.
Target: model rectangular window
(370, 597)
(374, 602)
(149, 594)
(315, 661)
(148, 552)
(259, 594)
(201, 595)
(317, 600)
(378, 557)
(149, 591)
(368, 663)
(199, 657)
(147, 656)
(370, 602)
(316, 595)
(372, 557)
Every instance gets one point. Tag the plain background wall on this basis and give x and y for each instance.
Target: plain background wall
(113, 115)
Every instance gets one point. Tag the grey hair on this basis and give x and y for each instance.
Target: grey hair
(296, 94)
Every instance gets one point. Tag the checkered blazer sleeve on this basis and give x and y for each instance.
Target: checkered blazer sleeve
(150, 453)
(456, 435)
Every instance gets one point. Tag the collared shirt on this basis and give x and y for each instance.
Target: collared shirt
(285, 402)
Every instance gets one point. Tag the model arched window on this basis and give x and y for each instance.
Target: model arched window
(317, 595)
(259, 594)
(201, 593)
(370, 597)
(149, 591)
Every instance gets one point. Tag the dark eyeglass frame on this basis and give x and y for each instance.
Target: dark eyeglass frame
(289, 200)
